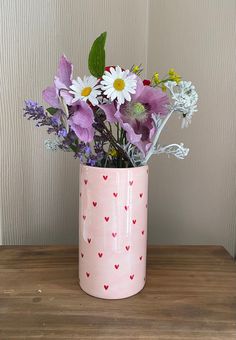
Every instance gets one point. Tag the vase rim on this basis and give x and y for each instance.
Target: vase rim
(113, 169)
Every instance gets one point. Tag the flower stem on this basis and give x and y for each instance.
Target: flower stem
(105, 132)
(152, 148)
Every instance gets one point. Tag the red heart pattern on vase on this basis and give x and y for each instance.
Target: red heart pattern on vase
(106, 287)
(105, 177)
(106, 218)
(94, 204)
(114, 234)
(117, 266)
(100, 254)
(131, 277)
(115, 194)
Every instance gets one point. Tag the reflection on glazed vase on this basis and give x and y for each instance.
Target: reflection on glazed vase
(113, 231)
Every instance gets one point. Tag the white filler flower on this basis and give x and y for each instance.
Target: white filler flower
(118, 84)
(85, 89)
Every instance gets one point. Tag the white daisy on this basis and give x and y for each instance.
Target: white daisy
(118, 84)
(85, 89)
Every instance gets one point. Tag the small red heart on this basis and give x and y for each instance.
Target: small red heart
(106, 219)
(84, 217)
(85, 181)
(105, 177)
(140, 258)
(94, 204)
(141, 195)
(131, 277)
(117, 266)
(127, 247)
(142, 232)
(131, 182)
(115, 194)
(106, 287)
(134, 221)
(87, 274)
(82, 255)
(100, 254)
(114, 234)
(80, 194)
(126, 207)
(89, 240)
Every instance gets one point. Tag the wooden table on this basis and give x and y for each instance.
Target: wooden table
(190, 294)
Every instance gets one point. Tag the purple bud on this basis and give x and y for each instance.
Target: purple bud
(62, 132)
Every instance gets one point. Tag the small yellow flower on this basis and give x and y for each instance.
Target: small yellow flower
(136, 69)
(171, 71)
(156, 78)
(163, 87)
(174, 76)
(113, 152)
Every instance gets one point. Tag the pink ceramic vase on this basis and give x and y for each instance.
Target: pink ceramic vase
(113, 231)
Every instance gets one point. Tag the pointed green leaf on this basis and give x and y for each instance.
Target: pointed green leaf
(96, 60)
(51, 110)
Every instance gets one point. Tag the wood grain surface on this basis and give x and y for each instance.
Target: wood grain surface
(190, 294)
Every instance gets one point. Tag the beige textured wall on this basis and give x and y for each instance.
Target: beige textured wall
(191, 201)
(39, 190)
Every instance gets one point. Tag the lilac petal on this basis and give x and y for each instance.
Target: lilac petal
(110, 111)
(64, 72)
(83, 116)
(63, 91)
(156, 99)
(138, 90)
(50, 96)
(131, 135)
(85, 135)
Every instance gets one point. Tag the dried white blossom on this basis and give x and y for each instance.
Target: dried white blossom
(184, 97)
(51, 144)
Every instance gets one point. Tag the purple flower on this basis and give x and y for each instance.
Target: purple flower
(109, 110)
(62, 132)
(56, 119)
(81, 121)
(62, 82)
(33, 110)
(135, 116)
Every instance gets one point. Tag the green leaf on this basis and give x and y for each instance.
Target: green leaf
(52, 110)
(96, 60)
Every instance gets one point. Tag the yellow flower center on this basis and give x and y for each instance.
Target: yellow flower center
(119, 84)
(86, 91)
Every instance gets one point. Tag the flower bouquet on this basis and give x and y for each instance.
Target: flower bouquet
(112, 120)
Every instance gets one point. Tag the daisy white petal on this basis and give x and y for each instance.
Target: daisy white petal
(85, 89)
(118, 84)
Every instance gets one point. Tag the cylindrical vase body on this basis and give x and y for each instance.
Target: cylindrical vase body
(113, 231)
